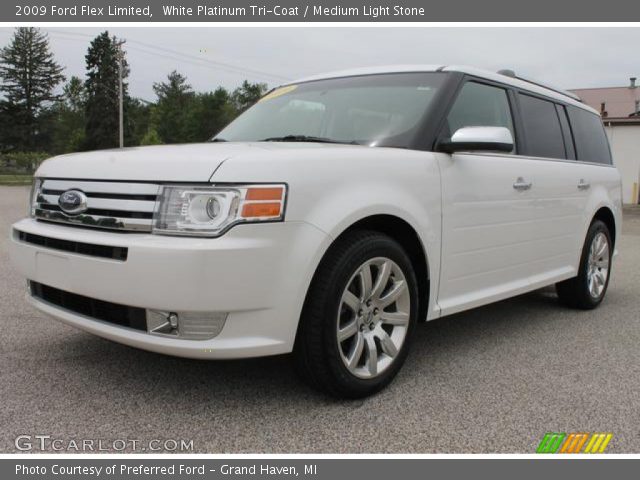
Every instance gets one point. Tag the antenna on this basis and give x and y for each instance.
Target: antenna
(507, 73)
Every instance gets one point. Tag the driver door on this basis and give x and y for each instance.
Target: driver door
(489, 208)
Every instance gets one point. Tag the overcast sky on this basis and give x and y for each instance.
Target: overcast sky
(210, 57)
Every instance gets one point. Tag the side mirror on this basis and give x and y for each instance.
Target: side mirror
(488, 139)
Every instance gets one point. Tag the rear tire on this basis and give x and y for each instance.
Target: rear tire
(587, 290)
(359, 316)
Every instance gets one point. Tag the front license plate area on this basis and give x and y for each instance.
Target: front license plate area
(53, 270)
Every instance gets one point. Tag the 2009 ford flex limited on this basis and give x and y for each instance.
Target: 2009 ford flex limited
(328, 220)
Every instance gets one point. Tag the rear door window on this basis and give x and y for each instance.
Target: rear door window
(542, 129)
(589, 135)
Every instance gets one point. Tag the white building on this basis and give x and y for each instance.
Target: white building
(620, 110)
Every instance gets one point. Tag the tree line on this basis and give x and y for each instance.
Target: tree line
(43, 113)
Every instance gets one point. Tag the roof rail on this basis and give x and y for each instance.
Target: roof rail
(512, 74)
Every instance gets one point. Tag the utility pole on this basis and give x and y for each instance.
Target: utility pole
(120, 94)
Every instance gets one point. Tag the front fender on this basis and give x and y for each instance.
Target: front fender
(334, 192)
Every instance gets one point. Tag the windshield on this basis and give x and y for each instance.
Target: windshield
(374, 110)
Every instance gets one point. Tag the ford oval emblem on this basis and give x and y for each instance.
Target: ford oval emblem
(73, 202)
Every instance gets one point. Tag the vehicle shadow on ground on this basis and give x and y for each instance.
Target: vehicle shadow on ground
(103, 363)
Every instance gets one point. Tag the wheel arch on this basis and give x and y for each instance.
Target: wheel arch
(408, 238)
(605, 215)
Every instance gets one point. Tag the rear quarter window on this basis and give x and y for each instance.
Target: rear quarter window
(589, 136)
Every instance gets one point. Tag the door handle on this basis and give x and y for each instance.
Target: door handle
(521, 184)
(583, 185)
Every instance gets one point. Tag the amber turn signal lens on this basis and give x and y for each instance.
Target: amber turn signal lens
(267, 193)
(253, 210)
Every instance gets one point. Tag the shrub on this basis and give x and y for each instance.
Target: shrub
(21, 162)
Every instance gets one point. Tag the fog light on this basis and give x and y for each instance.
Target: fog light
(186, 325)
(173, 320)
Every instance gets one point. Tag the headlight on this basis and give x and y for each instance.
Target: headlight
(33, 196)
(210, 211)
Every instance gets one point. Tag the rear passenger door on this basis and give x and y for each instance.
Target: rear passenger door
(558, 198)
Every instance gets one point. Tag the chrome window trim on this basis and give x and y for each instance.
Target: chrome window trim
(528, 157)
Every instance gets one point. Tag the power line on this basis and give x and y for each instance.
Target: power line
(169, 54)
(181, 56)
(213, 62)
(150, 53)
(138, 49)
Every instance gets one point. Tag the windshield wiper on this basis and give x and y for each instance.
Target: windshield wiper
(218, 140)
(306, 138)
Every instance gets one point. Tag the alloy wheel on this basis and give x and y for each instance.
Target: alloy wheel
(373, 317)
(598, 265)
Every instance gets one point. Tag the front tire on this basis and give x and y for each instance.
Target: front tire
(358, 318)
(587, 290)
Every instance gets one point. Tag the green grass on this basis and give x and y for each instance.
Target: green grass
(15, 179)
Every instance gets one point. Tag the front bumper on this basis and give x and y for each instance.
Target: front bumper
(259, 274)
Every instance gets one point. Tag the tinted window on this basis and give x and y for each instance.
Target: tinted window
(541, 128)
(590, 138)
(480, 105)
(566, 131)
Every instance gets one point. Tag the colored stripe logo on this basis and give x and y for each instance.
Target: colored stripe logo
(553, 442)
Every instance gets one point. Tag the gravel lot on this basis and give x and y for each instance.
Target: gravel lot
(491, 380)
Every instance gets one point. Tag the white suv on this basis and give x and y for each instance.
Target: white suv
(328, 220)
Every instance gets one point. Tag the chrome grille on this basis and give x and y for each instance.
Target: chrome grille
(111, 205)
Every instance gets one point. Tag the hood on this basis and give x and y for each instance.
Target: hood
(164, 163)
